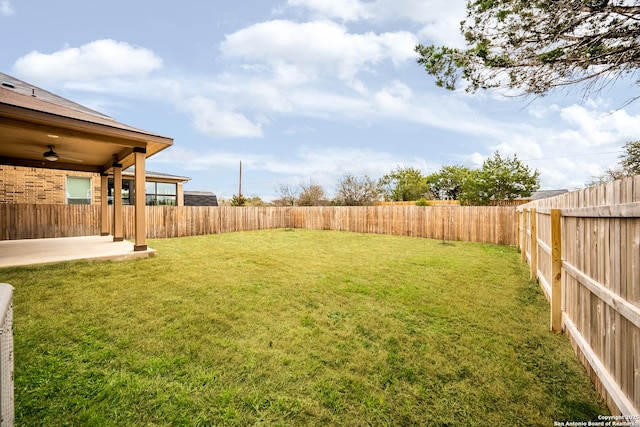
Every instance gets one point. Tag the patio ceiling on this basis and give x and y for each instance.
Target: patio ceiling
(32, 119)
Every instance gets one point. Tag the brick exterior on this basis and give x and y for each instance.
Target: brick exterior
(43, 186)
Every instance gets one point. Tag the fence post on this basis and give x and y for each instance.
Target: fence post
(518, 230)
(556, 270)
(523, 252)
(534, 245)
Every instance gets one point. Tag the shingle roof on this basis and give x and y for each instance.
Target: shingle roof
(17, 93)
(200, 198)
(544, 194)
(152, 174)
(25, 88)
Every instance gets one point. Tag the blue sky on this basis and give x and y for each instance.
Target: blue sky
(300, 91)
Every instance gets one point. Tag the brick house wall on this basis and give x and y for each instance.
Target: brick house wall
(44, 186)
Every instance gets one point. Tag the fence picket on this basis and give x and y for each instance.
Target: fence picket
(476, 224)
(600, 281)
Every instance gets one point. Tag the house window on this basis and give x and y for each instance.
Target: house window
(161, 193)
(127, 191)
(78, 191)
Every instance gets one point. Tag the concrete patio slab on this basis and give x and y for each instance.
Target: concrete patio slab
(43, 251)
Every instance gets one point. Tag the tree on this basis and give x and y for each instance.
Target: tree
(630, 159)
(356, 191)
(288, 195)
(312, 195)
(238, 200)
(448, 182)
(254, 201)
(609, 175)
(499, 179)
(403, 184)
(539, 45)
(628, 165)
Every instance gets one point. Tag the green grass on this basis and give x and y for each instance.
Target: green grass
(293, 328)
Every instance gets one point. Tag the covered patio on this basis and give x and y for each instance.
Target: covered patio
(15, 253)
(39, 129)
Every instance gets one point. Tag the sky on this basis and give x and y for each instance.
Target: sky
(301, 91)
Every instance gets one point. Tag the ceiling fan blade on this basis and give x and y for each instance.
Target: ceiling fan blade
(60, 156)
(72, 159)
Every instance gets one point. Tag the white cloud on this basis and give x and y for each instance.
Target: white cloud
(346, 10)
(569, 145)
(421, 11)
(296, 130)
(439, 19)
(99, 59)
(395, 98)
(442, 33)
(523, 146)
(6, 8)
(217, 122)
(594, 128)
(302, 52)
(539, 111)
(305, 161)
(323, 166)
(475, 160)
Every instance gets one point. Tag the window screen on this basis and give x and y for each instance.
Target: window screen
(78, 191)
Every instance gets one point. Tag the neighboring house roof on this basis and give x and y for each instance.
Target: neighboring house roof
(151, 174)
(545, 194)
(200, 198)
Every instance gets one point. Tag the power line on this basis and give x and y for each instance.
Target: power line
(575, 155)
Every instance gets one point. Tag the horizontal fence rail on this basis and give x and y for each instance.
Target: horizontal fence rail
(584, 249)
(475, 224)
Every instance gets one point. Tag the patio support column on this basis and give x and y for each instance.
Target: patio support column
(104, 204)
(118, 234)
(140, 200)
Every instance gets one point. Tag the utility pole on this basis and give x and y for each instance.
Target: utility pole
(240, 183)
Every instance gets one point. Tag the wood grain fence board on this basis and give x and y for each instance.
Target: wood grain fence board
(633, 246)
(476, 224)
(601, 282)
(621, 400)
(636, 364)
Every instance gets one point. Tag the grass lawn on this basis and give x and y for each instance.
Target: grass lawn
(293, 328)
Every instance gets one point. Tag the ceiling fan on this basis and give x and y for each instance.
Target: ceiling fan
(52, 156)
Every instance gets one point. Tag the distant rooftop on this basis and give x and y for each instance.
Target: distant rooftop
(200, 198)
(151, 174)
(545, 194)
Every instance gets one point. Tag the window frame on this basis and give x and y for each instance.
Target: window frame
(153, 197)
(71, 200)
(128, 188)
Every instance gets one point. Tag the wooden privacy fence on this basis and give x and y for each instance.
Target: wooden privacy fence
(36, 221)
(475, 224)
(584, 249)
